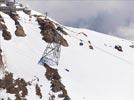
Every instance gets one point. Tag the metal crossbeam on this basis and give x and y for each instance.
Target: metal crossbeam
(51, 55)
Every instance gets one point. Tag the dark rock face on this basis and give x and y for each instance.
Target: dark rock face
(1, 19)
(48, 36)
(17, 87)
(38, 91)
(56, 85)
(2, 26)
(53, 36)
(6, 35)
(1, 61)
(91, 47)
(132, 46)
(14, 16)
(47, 25)
(19, 31)
(50, 32)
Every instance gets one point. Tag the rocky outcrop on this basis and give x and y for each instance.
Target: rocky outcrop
(53, 36)
(56, 85)
(6, 34)
(90, 45)
(1, 19)
(19, 31)
(1, 60)
(14, 86)
(14, 16)
(132, 46)
(50, 33)
(38, 91)
(2, 26)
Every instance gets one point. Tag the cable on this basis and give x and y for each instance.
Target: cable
(131, 63)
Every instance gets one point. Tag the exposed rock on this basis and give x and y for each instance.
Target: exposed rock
(27, 11)
(37, 16)
(91, 47)
(67, 70)
(83, 34)
(17, 87)
(14, 16)
(45, 24)
(132, 46)
(1, 61)
(61, 96)
(17, 22)
(52, 73)
(2, 26)
(56, 84)
(51, 97)
(48, 36)
(40, 21)
(59, 39)
(38, 91)
(53, 36)
(50, 33)
(1, 19)
(48, 25)
(19, 31)
(6, 35)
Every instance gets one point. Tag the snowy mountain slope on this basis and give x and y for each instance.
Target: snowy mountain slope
(98, 73)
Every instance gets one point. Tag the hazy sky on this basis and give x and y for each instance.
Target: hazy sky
(114, 17)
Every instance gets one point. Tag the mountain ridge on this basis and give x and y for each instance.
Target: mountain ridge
(93, 65)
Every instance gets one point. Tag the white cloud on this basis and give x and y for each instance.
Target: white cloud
(127, 32)
(107, 16)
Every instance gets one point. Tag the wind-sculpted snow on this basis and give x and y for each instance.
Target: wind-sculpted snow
(92, 66)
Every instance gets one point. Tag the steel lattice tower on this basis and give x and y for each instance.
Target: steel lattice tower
(51, 54)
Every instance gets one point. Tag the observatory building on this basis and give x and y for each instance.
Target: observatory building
(8, 6)
(10, 2)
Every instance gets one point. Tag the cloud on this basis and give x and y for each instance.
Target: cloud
(126, 32)
(104, 16)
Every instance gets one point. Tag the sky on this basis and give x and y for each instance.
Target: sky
(114, 17)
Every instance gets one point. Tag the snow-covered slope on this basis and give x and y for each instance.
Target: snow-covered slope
(99, 73)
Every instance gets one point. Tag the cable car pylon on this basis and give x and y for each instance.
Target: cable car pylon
(52, 52)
